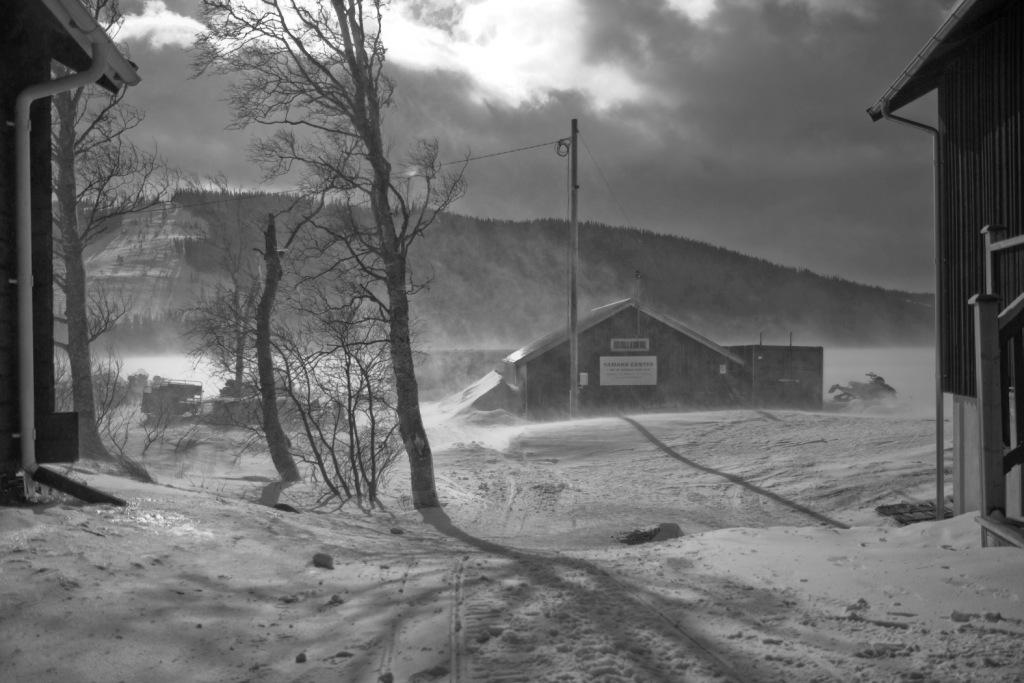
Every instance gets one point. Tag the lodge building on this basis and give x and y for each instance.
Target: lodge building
(632, 358)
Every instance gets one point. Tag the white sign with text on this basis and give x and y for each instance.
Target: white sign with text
(629, 370)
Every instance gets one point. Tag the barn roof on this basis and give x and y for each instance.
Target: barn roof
(602, 313)
(922, 75)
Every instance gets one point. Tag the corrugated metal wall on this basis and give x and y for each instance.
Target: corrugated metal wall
(981, 113)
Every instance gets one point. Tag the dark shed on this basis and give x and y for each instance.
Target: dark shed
(783, 376)
(976, 63)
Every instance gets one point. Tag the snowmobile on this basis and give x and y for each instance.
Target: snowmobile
(874, 390)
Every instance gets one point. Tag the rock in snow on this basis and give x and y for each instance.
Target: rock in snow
(666, 531)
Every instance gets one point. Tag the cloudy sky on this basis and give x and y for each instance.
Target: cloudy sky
(736, 122)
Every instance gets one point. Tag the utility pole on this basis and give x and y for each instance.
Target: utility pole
(574, 257)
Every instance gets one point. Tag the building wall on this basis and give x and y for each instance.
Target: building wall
(25, 60)
(783, 376)
(689, 374)
(981, 114)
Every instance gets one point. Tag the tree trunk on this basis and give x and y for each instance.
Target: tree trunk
(410, 421)
(239, 343)
(277, 440)
(79, 357)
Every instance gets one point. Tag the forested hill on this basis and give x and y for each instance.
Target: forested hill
(501, 283)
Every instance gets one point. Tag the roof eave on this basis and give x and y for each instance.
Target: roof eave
(80, 26)
(920, 76)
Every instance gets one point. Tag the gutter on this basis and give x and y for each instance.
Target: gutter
(83, 28)
(107, 62)
(880, 109)
(940, 437)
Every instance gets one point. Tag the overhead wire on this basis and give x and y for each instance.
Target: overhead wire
(224, 200)
(498, 154)
(608, 185)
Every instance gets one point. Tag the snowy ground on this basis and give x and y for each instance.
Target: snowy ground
(522, 577)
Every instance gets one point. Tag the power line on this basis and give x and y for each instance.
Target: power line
(226, 200)
(604, 178)
(499, 154)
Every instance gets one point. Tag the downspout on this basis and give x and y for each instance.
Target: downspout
(940, 436)
(22, 126)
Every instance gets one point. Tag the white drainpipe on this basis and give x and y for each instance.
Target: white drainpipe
(26, 376)
(940, 435)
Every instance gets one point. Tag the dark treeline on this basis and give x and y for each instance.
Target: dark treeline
(498, 284)
(492, 281)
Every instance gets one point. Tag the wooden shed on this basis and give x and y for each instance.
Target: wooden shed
(34, 33)
(632, 358)
(975, 62)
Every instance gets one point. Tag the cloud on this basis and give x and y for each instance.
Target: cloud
(737, 122)
(513, 53)
(745, 129)
(159, 26)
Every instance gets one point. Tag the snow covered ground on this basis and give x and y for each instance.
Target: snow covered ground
(522, 577)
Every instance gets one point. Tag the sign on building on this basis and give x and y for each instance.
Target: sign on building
(641, 344)
(629, 370)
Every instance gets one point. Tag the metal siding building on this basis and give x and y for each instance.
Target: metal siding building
(976, 63)
(981, 177)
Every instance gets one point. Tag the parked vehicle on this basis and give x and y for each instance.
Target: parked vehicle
(172, 397)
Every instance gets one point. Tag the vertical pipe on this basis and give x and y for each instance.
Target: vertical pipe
(574, 249)
(23, 166)
(940, 436)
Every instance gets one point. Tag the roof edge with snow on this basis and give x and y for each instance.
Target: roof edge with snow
(602, 313)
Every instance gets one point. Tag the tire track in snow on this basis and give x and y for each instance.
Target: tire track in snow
(739, 481)
(387, 652)
(592, 620)
(456, 632)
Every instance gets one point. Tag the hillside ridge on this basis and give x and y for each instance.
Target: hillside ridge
(499, 284)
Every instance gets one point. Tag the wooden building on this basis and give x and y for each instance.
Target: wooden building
(975, 62)
(34, 33)
(633, 359)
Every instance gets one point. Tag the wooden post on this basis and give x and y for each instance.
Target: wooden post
(993, 275)
(991, 234)
(574, 254)
(987, 366)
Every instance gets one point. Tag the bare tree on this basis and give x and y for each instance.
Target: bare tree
(315, 70)
(335, 365)
(99, 176)
(277, 440)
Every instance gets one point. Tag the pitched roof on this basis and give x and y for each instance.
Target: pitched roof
(602, 313)
(922, 75)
